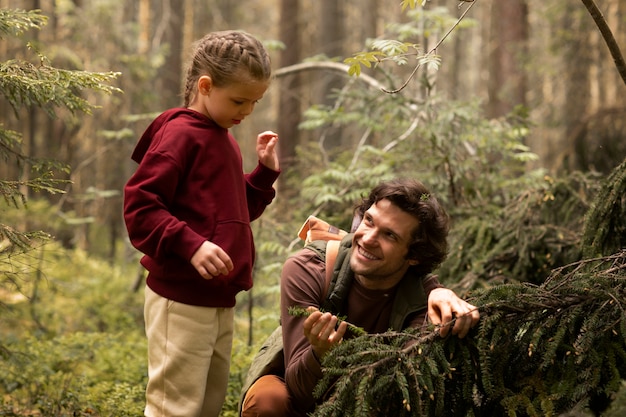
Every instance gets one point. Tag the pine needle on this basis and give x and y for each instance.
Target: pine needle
(297, 311)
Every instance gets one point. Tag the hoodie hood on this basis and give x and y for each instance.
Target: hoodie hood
(146, 139)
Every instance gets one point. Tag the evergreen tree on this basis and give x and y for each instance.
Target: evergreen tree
(26, 84)
(539, 350)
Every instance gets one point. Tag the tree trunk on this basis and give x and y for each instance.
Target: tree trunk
(507, 79)
(171, 74)
(289, 108)
(331, 29)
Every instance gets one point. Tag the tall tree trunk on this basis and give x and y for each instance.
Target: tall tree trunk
(576, 79)
(171, 74)
(507, 78)
(144, 18)
(30, 137)
(331, 30)
(289, 108)
(369, 19)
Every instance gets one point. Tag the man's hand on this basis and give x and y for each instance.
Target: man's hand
(444, 305)
(319, 329)
(210, 261)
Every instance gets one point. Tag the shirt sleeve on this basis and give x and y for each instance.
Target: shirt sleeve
(302, 284)
(420, 318)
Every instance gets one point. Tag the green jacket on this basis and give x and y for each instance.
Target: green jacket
(410, 298)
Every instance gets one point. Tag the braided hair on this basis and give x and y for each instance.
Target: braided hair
(227, 57)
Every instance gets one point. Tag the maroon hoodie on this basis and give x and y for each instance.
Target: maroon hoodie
(190, 187)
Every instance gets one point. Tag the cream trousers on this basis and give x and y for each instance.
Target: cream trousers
(189, 350)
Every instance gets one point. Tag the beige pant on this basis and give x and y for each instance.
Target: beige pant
(189, 351)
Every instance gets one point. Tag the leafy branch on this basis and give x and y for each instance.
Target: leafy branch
(398, 51)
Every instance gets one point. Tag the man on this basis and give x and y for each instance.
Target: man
(382, 281)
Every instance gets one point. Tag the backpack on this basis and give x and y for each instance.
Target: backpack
(270, 359)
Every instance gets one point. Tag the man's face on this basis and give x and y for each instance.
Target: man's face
(380, 245)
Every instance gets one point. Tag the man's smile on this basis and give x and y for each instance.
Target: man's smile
(366, 254)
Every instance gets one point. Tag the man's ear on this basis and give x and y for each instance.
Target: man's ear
(413, 262)
(204, 84)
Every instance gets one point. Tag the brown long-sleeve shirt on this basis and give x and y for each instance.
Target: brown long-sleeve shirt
(303, 284)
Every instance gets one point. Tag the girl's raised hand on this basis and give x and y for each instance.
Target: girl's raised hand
(266, 149)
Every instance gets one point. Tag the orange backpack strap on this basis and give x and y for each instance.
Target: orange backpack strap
(318, 229)
(332, 248)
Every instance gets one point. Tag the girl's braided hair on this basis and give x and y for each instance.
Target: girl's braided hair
(227, 57)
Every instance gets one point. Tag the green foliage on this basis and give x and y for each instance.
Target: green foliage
(423, 23)
(24, 84)
(538, 351)
(363, 58)
(74, 344)
(74, 374)
(470, 163)
(43, 171)
(537, 230)
(16, 22)
(38, 84)
(605, 225)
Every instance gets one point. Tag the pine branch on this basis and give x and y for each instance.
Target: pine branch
(538, 350)
(297, 311)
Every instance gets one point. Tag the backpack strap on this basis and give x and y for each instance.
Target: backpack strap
(332, 248)
(318, 229)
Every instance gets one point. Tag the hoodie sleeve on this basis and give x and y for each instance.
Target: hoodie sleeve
(148, 197)
(259, 189)
(149, 194)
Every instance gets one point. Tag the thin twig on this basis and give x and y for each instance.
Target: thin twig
(609, 39)
(443, 38)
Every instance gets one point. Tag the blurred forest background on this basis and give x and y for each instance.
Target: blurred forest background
(512, 112)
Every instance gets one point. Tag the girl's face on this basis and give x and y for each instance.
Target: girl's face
(229, 105)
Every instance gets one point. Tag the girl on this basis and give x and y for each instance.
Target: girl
(188, 209)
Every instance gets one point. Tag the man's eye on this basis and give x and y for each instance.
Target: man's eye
(392, 236)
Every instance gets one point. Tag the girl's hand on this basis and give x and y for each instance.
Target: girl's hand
(210, 261)
(266, 149)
